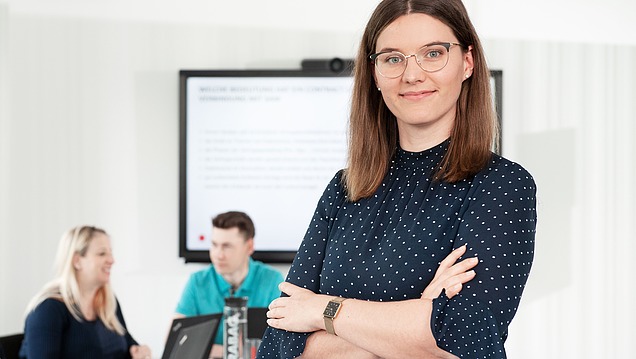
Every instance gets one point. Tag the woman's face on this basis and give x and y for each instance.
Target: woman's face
(424, 103)
(93, 269)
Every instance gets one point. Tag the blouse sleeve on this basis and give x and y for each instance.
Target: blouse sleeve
(43, 330)
(130, 341)
(498, 227)
(305, 272)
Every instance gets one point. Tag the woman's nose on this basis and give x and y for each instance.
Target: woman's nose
(413, 72)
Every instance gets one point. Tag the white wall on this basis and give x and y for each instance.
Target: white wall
(88, 134)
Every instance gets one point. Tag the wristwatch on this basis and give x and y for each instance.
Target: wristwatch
(331, 312)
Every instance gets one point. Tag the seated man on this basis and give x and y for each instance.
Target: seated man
(232, 273)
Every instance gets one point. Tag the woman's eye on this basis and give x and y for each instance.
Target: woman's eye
(393, 60)
(433, 54)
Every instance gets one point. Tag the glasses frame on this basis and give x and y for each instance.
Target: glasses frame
(446, 45)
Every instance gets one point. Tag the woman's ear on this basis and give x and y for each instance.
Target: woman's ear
(76, 262)
(469, 63)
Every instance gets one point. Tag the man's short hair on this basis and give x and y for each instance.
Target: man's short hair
(235, 219)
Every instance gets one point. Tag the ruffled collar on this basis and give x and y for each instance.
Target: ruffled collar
(427, 159)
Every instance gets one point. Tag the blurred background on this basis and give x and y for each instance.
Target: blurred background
(89, 135)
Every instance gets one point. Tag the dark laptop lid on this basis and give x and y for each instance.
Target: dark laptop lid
(256, 322)
(191, 337)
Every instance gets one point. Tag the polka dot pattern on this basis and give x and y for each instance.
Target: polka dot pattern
(387, 247)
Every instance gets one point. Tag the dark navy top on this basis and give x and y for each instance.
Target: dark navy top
(388, 246)
(52, 332)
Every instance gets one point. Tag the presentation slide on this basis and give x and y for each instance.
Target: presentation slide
(266, 145)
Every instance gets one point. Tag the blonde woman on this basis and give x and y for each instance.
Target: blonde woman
(76, 315)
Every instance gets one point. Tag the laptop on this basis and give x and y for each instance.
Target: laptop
(191, 337)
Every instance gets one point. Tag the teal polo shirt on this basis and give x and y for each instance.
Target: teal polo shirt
(206, 289)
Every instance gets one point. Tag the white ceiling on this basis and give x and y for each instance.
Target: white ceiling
(609, 21)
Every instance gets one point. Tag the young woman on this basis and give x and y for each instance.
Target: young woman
(421, 248)
(76, 315)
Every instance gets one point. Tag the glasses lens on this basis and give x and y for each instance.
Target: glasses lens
(432, 58)
(390, 64)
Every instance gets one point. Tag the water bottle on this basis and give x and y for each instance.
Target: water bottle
(235, 328)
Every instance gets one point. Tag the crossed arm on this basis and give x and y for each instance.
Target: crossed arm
(367, 329)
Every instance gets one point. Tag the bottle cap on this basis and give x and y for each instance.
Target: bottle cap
(236, 301)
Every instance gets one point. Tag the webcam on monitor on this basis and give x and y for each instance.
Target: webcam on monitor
(335, 65)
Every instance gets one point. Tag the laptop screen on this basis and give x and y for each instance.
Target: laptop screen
(191, 337)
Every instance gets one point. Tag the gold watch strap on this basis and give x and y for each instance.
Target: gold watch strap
(329, 320)
(329, 326)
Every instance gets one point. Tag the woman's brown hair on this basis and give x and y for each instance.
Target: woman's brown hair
(373, 133)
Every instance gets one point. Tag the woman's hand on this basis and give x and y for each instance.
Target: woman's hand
(450, 275)
(300, 312)
(140, 352)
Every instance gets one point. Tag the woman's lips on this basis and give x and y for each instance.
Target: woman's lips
(416, 95)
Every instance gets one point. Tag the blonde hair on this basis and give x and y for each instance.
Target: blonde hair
(373, 133)
(65, 287)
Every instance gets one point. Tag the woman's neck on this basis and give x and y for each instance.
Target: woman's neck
(87, 302)
(413, 139)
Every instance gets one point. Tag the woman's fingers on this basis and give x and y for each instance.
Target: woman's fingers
(291, 289)
(464, 265)
(275, 314)
(451, 275)
(453, 278)
(300, 311)
(453, 290)
(445, 272)
(272, 313)
(274, 323)
(452, 257)
(275, 303)
(455, 284)
(277, 310)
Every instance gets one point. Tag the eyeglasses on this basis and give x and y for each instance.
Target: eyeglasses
(430, 58)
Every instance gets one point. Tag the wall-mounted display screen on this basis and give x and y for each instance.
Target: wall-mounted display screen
(262, 142)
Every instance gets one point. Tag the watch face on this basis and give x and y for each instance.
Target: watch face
(331, 309)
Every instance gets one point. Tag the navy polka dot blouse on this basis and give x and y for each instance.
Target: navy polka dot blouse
(387, 247)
